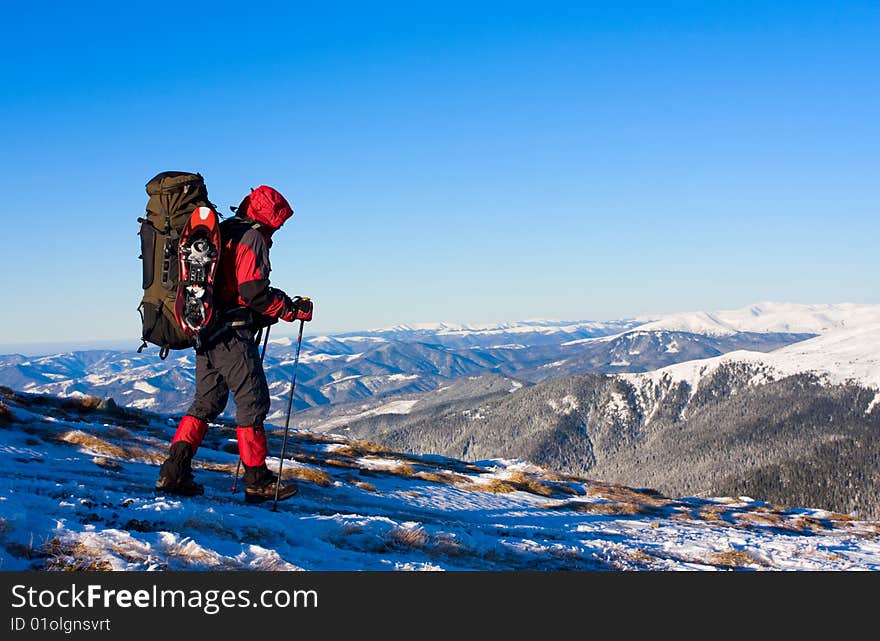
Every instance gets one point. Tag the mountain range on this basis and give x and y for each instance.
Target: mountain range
(359, 366)
(794, 426)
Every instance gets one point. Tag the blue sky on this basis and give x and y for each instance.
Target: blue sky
(466, 162)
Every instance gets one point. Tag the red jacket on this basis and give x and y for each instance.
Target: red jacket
(243, 271)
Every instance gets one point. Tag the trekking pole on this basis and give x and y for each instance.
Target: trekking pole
(299, 341)
(262, 356)
(265, 344)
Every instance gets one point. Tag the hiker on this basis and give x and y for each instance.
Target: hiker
(228, 359)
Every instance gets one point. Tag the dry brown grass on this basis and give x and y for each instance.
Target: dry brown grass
(229, 468)
(623, 494)
(367, 446)
(106, 449)
(837, 516)
(339, 462)
(605, 508)
(106, 463)
(529, 483)
(441, 477)
(345, 450)
(309, 474)
(75, 557)
(810, 523)
(368, 487)
(356, 449)
(712, 513)
(81, 403)
(93, 443)
(640, 556)
(407, 537)
(495, 486)
(617, 509)
(444, 544)
(762, 518)
(403, 469)
(519, 482)
(733, 559)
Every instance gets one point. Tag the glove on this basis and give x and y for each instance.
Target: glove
(298, 308)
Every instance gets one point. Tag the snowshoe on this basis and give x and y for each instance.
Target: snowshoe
(198, 251)
(266, 492)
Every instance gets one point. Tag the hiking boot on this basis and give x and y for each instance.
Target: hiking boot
(175, 475)
(182, 487)
(259, 485)
(267, 492)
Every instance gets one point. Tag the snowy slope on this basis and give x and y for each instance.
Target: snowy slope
(760, 318)
(75, 494)
(770, 317)
(839, 356)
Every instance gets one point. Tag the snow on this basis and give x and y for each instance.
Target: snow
(874, 402)
(63, 507)
(394, 407)
(767, 317)
(535, 326)
(770, 317)
(839, 356)
(566, 405)
(314, 358)
(617, 406)
(144, 386)
(341, 379)
(401, 377)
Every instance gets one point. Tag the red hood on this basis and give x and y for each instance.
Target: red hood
(266, 206)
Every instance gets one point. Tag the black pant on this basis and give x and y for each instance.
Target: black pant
(231, 363)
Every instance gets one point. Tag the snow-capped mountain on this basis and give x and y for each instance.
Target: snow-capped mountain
(768, 317)
(839, 356)
(357, 366)
(504, 335)
(76, 494)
